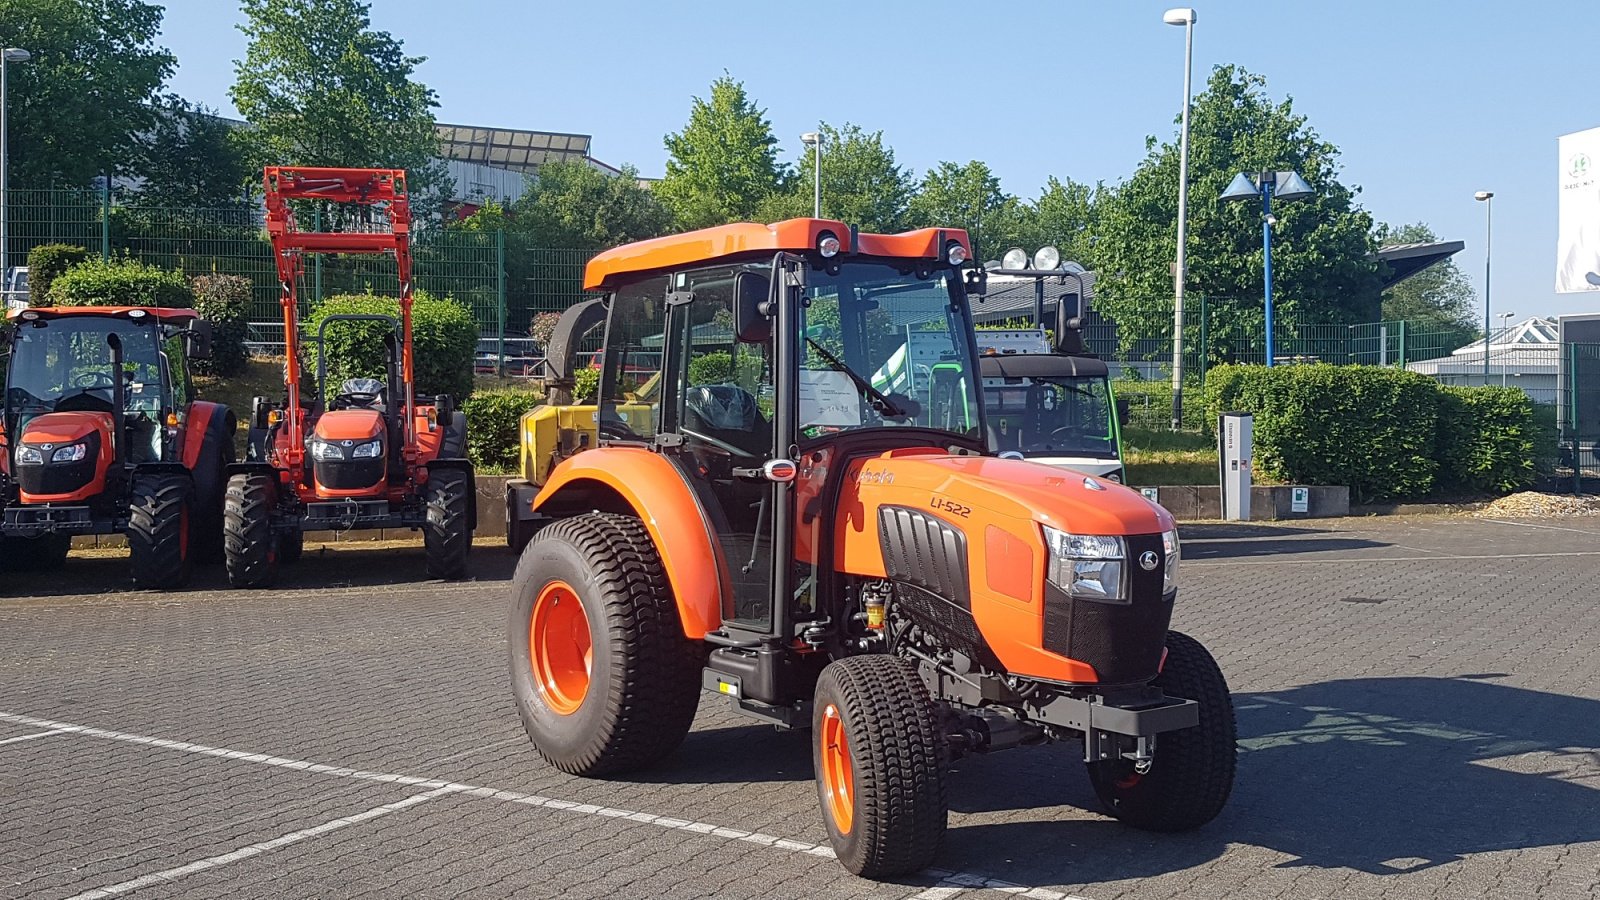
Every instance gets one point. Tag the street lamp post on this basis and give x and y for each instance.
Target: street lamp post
(1487, 199)
(9, 54)
(1185, 17)
(1266, 186)
(1505, 326)
(813, 139)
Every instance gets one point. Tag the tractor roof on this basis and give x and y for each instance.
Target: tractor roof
(163, 314)
(753, 240)
(1039, 365)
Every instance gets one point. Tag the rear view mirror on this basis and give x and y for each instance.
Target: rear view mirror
(751, 291)
(1069, 319)
(1124, 411)
(197, 340)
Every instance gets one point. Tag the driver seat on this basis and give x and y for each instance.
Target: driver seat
(728, 413)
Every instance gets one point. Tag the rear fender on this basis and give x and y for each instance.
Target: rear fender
(647, 486)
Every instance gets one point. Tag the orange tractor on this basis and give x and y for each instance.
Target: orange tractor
(101, 434)
(369, 453)
(797, 516)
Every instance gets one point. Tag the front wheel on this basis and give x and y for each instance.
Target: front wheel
(447, 534)
(604, 677)
(880, 765)
(1191, 775)
(158, 531)
(251, 550)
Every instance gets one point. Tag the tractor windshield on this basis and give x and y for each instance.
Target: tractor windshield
(886, 345)
(65, 364)
(1054, 416)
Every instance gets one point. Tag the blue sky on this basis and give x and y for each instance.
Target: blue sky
(1428, 100)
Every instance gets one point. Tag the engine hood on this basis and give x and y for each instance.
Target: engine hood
(1007, 488)
(350, 425)
(64, 427)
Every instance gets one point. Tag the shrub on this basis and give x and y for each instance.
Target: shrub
(120, 282)
(586, 385)
(224, 301)
(1485, 439)
(443, 334)
(1373, 429)
(46, 263)
(716, 367)
(492, 421)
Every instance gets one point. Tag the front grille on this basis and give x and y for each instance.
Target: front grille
(1122, 642)
(349, 474)
(60, 478)
(924, 551)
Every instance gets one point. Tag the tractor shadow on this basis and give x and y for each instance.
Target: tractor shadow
(1382, 776)
(1235, 541)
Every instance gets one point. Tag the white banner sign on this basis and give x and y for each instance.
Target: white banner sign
(1578, 231)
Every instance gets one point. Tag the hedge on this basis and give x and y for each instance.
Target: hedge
(224, 301)
(1485, 439)
(1387, 433)
(119, 282)
(444, 337)
(46, 263)
(492, 420)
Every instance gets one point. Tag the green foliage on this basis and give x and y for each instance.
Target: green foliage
(717, 367)
(1370, 428)
(1322, 269)
(724, 163)
(493, 419)
(192, 158)
(1064, 216)
(1486, 439)
(585, 385)
(46, 262)
(120, 282)
(321, 87)
(444, 338)
(1387, 433)
(1439, 295)
(574, 206)
(969, 196)
(78, 108)
(861, 182)
(224, 301)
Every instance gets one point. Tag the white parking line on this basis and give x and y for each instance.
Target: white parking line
(950, 883)
(29, 737)
(292, 837)
(1206, 562)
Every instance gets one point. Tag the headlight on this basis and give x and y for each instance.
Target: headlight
(1172, 550)
(70, 453)
(1086, 566)
(322, 451)
(29, 456)
(369, 450)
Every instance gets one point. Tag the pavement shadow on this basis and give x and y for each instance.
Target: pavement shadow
(1220, 548)
(1383, 776)
(740, 754)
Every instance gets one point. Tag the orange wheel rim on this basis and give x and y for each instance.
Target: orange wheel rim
(838, 775)
(560, 648)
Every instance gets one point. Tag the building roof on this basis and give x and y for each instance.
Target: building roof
(1537, 331)
(510, 148)
(1530, 347)
(1406, 260)
(1011, 296)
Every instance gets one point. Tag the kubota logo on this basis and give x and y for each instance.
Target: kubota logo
(1148, 560)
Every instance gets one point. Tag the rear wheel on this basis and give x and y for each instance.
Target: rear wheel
(247, 530)
(447, 535)
(880, 763)
(1192, 774)
(158, 531)
(604, 677)
(44, 553)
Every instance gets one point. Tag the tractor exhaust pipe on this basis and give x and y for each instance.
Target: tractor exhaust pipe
(118, 399)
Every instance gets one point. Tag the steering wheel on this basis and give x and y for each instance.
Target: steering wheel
(720, 445)
(1065, 433)
(93, 381)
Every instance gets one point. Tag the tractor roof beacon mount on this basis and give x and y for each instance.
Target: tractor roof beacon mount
(366, 187)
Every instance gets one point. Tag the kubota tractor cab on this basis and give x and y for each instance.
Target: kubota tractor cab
(759, 519)
(369, 453)
(101, 434)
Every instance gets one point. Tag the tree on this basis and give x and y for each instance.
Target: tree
(77, 109)
(969, 196)
(576, 206)
(193, 158)
(724, 163)
(1323, 271)
(861, 183)
(1438, 295)
(321, 87)
(1064, 217)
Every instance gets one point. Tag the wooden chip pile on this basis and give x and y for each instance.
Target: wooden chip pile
(1532, 504)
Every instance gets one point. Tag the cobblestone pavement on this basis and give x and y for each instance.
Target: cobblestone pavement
(1418, 709)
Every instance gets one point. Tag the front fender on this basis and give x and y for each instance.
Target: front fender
(656, 492)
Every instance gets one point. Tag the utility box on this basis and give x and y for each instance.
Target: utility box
(1233, 439)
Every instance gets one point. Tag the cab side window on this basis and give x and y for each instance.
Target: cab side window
(630, 389)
